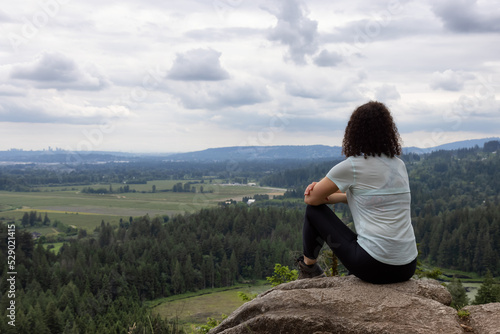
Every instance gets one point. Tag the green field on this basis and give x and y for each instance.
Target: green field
(82, 210)
(55, 247)
(193, 309)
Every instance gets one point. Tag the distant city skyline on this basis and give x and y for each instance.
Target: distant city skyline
(183, 76)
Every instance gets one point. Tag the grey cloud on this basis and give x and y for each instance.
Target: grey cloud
(198, 65)
(295, 30)
(215, 97)
(222, 34)
(447, 80)
(380, 28)
(48, 67)
(327, 59)
(288, 120)
(348, 95)
(348, 89)
(4, 17)
(247, 121)
(316, 124)
(55, 110)
(468, 16)
(241, 95)
(345, 89)
(436, 124)
(55, 70)
(387, 92)
(18, 113)
(295, 89)
(468, 114)
(8, 90)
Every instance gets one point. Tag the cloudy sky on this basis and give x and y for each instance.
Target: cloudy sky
(170, 76)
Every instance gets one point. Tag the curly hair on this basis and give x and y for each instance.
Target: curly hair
(371, 131)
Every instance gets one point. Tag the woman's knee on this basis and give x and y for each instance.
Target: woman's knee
(314, 210)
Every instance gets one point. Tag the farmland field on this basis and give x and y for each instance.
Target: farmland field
(193, 309)
(75, 208)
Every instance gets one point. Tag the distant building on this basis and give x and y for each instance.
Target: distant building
(250, 201)
(36, 235)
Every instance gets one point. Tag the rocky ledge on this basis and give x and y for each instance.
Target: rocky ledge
(344, 305)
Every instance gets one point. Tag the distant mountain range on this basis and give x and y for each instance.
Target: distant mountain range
(451, 146)
(234, 153)
(239, 153)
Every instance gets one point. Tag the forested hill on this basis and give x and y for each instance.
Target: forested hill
(456, 210)
(455, 204)
(471, 143)
(249, 153)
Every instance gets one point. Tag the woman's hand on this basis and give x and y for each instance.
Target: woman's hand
(317, 192)
(309, 188)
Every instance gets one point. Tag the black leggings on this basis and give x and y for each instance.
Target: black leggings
(322, 224)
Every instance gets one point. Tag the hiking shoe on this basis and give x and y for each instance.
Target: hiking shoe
(306, 271)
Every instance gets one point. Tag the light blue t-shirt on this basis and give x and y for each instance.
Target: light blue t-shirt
(378, 195)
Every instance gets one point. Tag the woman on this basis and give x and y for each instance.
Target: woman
(374, 183)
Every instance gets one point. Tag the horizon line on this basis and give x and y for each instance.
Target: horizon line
(60, 150)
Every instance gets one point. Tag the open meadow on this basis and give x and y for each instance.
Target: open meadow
(193, 309)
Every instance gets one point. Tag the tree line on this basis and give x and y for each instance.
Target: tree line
(27, 177)
(178, 187)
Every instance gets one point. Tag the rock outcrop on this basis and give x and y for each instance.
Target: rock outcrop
(348, 305)
(484, 319)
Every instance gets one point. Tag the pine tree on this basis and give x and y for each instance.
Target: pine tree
(257, 267)
(32, 217)
(25, 220)
(177, 279)
(225, 271)
(233, 267)
(458, 294)
(188, 273)
(208, 270)
(53, 318)
(46, 220)
(36, 317)
(489, 291)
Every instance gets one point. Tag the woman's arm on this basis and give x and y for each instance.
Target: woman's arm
(338, 197)
(323, 192)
